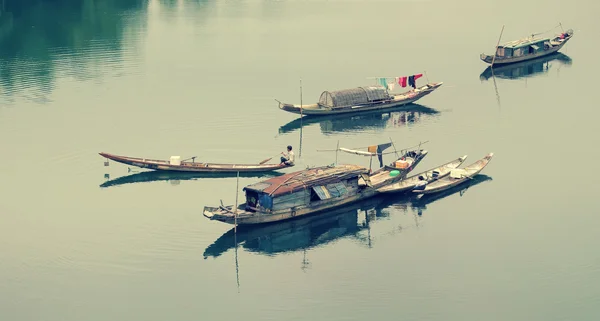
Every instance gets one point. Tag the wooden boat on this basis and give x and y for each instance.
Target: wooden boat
(420, 203)
(176, 164)
(456, 177)
(407, 160)
(359, 99)
(526, 68)
(299, 234)
(426, 177)
(302, 193)
(527, 49)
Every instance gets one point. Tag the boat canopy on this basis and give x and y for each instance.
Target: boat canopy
(353, 96)
(524, 42)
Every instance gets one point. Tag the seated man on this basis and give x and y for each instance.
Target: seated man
(288, 158)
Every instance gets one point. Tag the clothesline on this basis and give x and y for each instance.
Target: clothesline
(401, 81)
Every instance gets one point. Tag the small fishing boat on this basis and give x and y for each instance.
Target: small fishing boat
(359, 99)
(421, 202)
(526, 49)
(456, 177)
(426, 177)
(176, 164)
(407, 160)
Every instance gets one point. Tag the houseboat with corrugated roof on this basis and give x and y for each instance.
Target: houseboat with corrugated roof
(302, 193)
(353, 100)
(317, 189)
(527, 49)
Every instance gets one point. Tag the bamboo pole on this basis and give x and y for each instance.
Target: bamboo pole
(237, 185)
(301, 114)
(497, 44)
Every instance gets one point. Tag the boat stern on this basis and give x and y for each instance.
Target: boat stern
(289, 108)
(221, 214)
(226, 214)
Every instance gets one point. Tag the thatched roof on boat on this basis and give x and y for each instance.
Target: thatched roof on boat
(353, 96)
(523, 42)
(306, 178)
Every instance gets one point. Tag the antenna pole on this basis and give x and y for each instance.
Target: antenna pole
(498, 44)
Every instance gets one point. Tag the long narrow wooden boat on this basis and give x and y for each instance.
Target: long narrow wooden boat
(420, 203)
(175, 164)
(456, 177)
(426, 177)
(527, 49)
(359, 99)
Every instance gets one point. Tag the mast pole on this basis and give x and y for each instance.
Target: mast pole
(237, 185)
(498, 44)
(336, 152)
(301, 97)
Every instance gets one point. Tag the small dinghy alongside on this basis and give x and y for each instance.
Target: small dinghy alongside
(176, 164)
(420, 180)
(456, 177)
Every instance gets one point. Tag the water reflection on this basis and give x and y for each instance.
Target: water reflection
(529, 68)
(368, 120)
(41, 40)
(319, 230)
(175, 177)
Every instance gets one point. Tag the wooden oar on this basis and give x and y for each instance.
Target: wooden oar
(266, 160)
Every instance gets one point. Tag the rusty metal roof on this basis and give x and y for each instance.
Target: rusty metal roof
(306, 178)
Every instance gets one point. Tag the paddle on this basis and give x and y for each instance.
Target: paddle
(266, 160)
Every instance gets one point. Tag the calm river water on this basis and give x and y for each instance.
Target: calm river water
(81, 241)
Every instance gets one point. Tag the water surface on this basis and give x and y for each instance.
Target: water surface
(81, 241)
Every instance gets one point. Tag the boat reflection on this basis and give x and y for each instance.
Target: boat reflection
(175, 177)
(528, 68)
(397, 117)
(321, 229)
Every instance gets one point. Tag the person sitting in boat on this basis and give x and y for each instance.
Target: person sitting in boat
(288, 157)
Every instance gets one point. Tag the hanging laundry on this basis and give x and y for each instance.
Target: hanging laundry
(390, 86)
(383, 82)
(380, 149)
(402, 82)
(412, 80)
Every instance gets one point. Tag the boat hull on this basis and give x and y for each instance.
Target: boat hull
(410, 183)
(400, 100)
(224, 214)
(162, 165)
(506, 61)
(448, 182)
